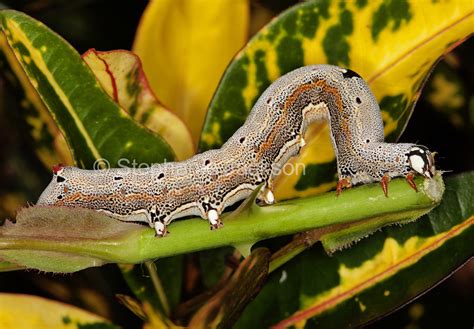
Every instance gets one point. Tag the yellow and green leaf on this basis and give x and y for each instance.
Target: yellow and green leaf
(121, 75)
(392, 44)
(185, 47)
(374, 276)
(26, 311)
(94, 126)
(49, 144)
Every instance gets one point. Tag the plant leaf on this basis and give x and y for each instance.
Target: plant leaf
(185, 46)
(224, 308)
(121, 75)
(393, 45)
(373, 277)
(24, 311)
(48, 141)
(94, 126)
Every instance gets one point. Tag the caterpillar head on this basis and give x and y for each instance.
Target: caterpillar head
(421, 160)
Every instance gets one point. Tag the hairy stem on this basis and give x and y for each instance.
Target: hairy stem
(365, 207)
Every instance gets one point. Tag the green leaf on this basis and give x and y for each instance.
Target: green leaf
(6, 267)
(98, 238)
(373, 277)
(94, 126)
(224, 308)
(393, 45)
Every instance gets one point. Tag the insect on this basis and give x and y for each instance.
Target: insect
(207, 183)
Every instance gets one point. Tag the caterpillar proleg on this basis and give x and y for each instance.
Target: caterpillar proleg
(207, 183)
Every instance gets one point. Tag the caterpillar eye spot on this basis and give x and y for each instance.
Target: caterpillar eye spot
(358, 100)
(60, 197)
(242, 140)
(161, 175)
(207, 162)
(367, 141)
(60, 179)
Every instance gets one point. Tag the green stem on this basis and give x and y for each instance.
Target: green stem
(155, 279)
(364, 204)
(294, 248)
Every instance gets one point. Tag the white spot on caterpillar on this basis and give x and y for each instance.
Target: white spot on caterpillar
(213, 217)
(302, 142)
(269, 197)
(160, 229)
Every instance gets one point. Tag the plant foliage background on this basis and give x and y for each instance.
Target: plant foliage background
(443, 119)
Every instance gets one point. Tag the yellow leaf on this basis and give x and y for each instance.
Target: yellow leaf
(24, 311)
(185, 47)
(121, 75)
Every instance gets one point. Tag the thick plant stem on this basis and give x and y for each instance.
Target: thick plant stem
(365, 204)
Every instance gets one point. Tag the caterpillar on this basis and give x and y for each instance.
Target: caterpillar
(207, 183)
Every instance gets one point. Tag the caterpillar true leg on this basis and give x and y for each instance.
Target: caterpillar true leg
(384, 183)
(410, 181)
(342, 184)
